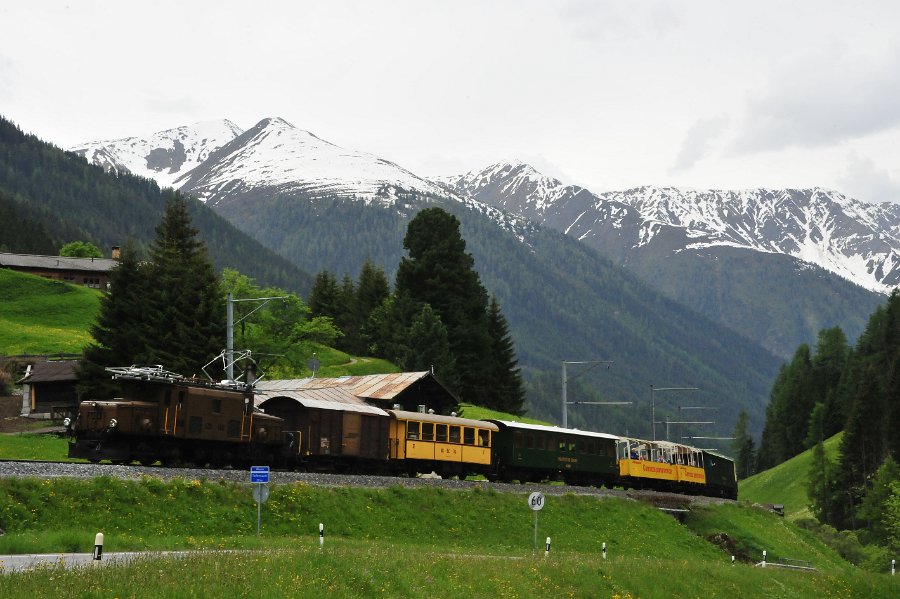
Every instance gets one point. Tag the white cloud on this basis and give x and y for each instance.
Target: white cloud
(823, 99)
(698, 141)
(864, 180)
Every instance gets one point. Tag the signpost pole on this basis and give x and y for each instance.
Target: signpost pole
(259, 475)
(535, 502)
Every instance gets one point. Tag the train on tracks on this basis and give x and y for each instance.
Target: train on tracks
(164, 417)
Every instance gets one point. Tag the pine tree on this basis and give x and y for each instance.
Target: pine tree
(371, 291)
(821, 477)
(439, 272)
(828, 365)
(743, 447)
(325, 294)
(872, 510)
(120, 331)
(186, 308)
(428, 347)
(507, 379)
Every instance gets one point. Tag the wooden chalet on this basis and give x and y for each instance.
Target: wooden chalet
(89, 272)
(48, 389)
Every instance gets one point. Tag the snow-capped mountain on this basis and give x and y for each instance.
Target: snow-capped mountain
(855, 240)
(164, 156)
(218, 162)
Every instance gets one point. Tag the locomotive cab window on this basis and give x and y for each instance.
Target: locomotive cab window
(454, 434)
(468, 435)
(428, 431)
(217, 406)
(441, 433)
(412, 430)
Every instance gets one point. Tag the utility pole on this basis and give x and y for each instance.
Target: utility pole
(229, 327)
(566, 403)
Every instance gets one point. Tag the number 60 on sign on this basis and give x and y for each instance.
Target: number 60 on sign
(536, 501)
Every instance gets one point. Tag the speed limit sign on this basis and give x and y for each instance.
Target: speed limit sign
(536, 501)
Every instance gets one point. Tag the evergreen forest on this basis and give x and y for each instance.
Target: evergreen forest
(833, 387)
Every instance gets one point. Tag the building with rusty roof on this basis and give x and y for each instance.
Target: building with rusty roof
(408, 390)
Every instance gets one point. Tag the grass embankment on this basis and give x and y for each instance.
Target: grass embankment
(786, 483)
(402, 542)
(479, 413)
(40, 316)
(30, 446)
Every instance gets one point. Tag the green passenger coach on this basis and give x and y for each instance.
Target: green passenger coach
(532, 453)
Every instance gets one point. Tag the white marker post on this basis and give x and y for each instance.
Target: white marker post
(764, 559)
(547, 551)
(536, 503)
(98, 547)
(321, 535)
(732, 560)
(604, 550)
(893, 563)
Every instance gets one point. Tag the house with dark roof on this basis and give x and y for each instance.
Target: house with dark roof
(48, 389)
(89, 272)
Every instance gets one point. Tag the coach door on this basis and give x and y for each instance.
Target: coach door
(352, 428)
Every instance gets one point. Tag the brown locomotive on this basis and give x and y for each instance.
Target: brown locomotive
(180, 420)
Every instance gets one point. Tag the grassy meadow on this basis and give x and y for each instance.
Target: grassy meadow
(40, 316)
(786, 483)
(399, 542)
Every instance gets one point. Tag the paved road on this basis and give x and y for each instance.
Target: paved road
(21, 563)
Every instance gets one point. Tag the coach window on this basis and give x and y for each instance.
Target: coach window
(441, 433)
(539, 441)
(529, 440)
(484, 438)
(562, 445)
(428, 431)
(412, 430)
(579, 445)
(468, 436)
(454, 434)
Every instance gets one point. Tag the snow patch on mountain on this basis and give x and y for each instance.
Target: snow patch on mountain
(853, 239)
(166, 155)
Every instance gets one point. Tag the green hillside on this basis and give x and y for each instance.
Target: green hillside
(786, 483)
(40, 316)
(402, 542)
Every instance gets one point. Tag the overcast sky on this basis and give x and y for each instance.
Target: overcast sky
(606, 94)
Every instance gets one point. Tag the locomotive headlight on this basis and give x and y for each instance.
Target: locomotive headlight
(113, 423)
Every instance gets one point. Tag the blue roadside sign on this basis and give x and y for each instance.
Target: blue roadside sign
(259, 474)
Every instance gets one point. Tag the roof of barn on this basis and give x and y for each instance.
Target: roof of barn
(352, 390)
(57, 262)
(52, 372)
